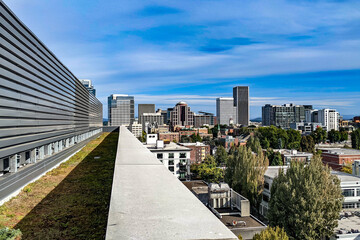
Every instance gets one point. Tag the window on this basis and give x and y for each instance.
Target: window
(171, 155)
(182, 155)
(171, 168)
(348, 205)
(159, 155)
(267, 186)
(171, 162)
(358, 192)
(265, 198)
(348, 192)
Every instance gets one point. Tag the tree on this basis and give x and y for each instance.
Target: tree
(306, 200)
(185, 139)
(245, 173)
(275, 158)
(221, 156)
(254, 144)
(319, 135)
(355, 139)
(270, 233)
(334, 136)
(196, 138)
(307, 144)
(143, 136)
(344, 135)
(209, 172)
(347, 168)
(294, 138)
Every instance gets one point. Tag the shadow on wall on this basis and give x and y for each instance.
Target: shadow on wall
(78, 207)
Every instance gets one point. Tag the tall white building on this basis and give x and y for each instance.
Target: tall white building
(136, 129)
(329, 118)
(225, 111)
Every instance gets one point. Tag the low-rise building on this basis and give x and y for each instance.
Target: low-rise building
(305, 127)
(198, 151)
(169, 136)
(336, 158)
(229, 141)
(293, 155)
(175, 157)
(136, 129)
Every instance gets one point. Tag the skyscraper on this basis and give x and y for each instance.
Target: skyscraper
(87, 83)
(282, 116)
(181, 115)
(225, 111)
(145, 108)
(241, 102)
(120, 109)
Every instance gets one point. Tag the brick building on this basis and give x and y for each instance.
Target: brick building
(198, 151)
(338, 157)
(169, 136)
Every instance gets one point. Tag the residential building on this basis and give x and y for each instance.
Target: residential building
(293, 155)
(87, 83)
(162, 128)
(329, 118)
(163, 113)
(336, 158)
(44, 108)
(198, 151)
(241, 102)
(181, 115)
(170, 136)
(282, 116)
(136, 129)
(145, 108)
(225, 111)
(228, 141)
(120, 109)
(175, 157)
(203, 119)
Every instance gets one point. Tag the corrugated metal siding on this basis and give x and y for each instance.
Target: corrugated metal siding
(41, 101)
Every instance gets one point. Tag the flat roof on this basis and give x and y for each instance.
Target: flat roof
(249, 221)
(273, 171)
(149, 202)
(167, 147)
(348, 223)
(341, 151)
(346, 177)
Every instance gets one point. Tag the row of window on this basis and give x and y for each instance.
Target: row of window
(171, 155)
(171, 162)
(351, 205)
(351, 192)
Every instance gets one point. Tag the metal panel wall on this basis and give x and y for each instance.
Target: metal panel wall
(41, 101)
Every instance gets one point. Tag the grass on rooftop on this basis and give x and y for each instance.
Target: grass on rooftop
(69, 202)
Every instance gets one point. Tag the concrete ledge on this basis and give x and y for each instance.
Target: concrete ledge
(149, 202)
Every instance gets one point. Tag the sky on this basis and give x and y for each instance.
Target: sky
(163, 52)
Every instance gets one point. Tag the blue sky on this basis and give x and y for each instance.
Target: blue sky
(299, 51)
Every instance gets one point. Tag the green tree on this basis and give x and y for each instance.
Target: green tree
(245, 173)
(270, 233)
(306, 200)
(221, 156)
(275, 158)
(209, 172)
(319, 135)
(254, 144)
(344, 135)
(347, 168)
(185, 139)
(143, 136)
(294, 138)
(196, 138)
(355, 139)
(334, 136)
(307, 144)
(265, 143)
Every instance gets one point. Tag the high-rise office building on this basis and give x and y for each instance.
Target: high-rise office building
(88, 84)
(121, 109)
(44, 108)
(241, 102)
(203, 118)
(145, 108)
(152, 120)
(225, 111)
(181, 115)
(282, 116)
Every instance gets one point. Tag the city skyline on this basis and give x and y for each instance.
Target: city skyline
(305, 54)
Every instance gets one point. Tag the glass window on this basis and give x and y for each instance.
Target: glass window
(358, 192)
(171, 168)
(171, 162)
(171, 155)
(348, 192)
(182, 155)
(348, 205)
(265, 198)
(267, 186)
(159, 155)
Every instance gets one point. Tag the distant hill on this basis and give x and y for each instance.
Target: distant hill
(258, 119)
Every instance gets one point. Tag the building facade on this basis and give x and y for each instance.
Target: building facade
(336, 158)
(88, 84)
(121, 110)
(169, 136)
(329, 119)
(203, 119)
(44, 108)
(282, 116)
(241, 103)
(135, 128)
(225, 111)
(151, 120)
(181, 115)
(145, 108)
(198, 151)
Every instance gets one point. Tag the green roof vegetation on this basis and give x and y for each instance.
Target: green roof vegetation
(69, 202)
